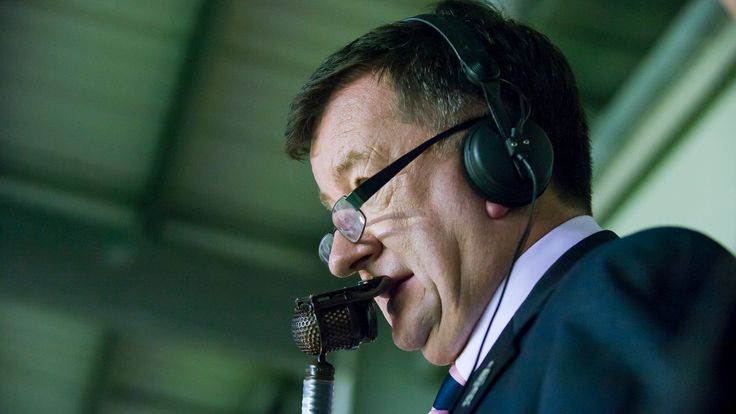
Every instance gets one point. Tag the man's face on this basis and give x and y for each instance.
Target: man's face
(426, 228)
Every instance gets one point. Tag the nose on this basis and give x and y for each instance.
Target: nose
(347, 258)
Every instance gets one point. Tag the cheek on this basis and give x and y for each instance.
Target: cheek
(459, 226)
(452, 208)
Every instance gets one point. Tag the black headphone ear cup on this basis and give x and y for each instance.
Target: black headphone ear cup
(493, 174)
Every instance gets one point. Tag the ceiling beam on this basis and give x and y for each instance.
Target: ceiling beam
(99, 378)
(667, 122)
(696, 22)
(151, 203)
(108, 277)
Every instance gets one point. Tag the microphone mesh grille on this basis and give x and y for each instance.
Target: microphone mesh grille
(338, 330)
(305, 330)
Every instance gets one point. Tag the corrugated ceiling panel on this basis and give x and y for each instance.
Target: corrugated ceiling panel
(84, 87)
(85, 90)
(169, 375)
(45, 360)
(230, 162)
(603, 42)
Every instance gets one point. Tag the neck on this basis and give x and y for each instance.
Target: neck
(549, 213)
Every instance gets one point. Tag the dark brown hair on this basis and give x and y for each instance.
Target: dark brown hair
(432, 91)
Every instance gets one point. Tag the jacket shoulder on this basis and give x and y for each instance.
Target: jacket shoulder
(663, 270)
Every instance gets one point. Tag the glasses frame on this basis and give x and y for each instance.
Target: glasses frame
(363, 192)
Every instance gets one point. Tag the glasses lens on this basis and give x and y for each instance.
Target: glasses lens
(348, 220)
(325, 247)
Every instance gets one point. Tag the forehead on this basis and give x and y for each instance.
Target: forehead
(359, 124)
(354, 115)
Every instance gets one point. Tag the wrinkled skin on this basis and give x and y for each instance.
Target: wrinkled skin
(445, 248)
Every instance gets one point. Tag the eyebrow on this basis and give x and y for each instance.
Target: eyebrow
(345, 165)
(349, 162)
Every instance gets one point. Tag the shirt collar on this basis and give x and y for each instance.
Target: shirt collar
(527, 271)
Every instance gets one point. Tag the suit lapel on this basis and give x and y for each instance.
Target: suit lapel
(501, 354)
(506, 347)
(547, 284)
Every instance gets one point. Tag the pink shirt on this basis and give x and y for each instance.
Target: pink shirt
(527, 271)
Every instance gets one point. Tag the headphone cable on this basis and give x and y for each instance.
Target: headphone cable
(525, 235)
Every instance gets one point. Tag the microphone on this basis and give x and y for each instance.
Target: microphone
(339, 319)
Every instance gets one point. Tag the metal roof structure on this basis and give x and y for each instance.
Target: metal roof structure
(154, 234)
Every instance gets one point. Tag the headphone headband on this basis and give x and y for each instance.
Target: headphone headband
(495, 150)
(479, 67)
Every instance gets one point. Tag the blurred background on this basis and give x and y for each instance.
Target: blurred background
(153, 235)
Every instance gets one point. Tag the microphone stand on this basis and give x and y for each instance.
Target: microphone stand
(317, 387)
(340, 319)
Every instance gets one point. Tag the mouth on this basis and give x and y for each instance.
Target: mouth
(397, 282)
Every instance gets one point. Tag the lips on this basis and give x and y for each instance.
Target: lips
(397, 282)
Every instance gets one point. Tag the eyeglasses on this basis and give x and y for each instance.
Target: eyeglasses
(347, 217)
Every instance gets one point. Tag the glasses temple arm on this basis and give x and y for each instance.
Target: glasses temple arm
(370, 186)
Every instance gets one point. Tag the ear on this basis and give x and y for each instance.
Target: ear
(496, 211)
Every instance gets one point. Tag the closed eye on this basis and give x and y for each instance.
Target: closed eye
(358, 181)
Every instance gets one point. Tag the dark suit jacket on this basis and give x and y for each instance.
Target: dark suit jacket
(645, 323)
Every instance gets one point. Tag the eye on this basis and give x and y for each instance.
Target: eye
(358, 181)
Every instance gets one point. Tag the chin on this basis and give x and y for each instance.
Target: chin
(439, 352)
(438, 357)
(403, 342)
(435, 353)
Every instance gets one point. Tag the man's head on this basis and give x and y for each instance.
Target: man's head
(384, 94)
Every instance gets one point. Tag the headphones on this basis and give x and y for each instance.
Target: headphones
(496, 151)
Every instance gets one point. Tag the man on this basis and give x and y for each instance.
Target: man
(581, 320)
